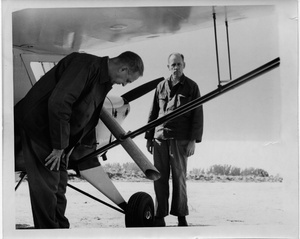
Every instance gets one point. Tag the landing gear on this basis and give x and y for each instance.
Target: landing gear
(140, 211)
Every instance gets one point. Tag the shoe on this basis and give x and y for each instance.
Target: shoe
(159, 222)
(182, 222)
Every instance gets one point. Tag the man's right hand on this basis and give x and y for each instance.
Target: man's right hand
(150, 146)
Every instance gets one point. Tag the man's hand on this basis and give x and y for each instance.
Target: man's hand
(54, 158)
(191, 148)
(150, 146)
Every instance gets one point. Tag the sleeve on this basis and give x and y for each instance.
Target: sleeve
(153, 115)
(87, 145)
(69, 88)
(197, 118)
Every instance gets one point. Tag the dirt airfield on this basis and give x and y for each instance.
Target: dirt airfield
(217, 209)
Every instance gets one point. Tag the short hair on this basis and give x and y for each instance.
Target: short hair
(133, 60)
(176, 53)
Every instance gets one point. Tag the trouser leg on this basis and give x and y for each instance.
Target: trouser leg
(45, 187)
(62, 200)
(178, 161)
(161, 186)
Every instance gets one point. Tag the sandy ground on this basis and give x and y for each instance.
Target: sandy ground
(255, 209)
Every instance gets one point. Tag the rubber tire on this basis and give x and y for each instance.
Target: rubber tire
(140, 211)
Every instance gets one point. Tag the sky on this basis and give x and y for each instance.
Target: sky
(243, 127)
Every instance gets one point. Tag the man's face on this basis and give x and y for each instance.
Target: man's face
(176, 66)
(124, 77)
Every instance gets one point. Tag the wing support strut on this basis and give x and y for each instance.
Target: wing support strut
(217, 51)
(97, 199)
(191, 105)
(22, 176)
(216, 45)
(136, 154)
(228, 46)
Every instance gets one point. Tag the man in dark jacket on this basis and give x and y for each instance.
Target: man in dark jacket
(59, 112)
(174, 141)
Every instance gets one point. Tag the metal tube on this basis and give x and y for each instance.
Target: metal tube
(216, 45)
(228, 50)
(191, 105)
(97, 199)
(136, 154)
(22, 176)
(198, 102)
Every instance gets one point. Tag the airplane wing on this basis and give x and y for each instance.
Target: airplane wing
(65, 30)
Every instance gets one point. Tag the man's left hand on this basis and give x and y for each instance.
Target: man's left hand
(54, 159)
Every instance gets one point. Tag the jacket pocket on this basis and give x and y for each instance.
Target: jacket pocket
(183, 99)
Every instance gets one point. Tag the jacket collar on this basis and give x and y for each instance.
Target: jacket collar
(104, 70)
(181, 80)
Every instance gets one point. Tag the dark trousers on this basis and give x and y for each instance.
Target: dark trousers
(170, 156)
(47, 188)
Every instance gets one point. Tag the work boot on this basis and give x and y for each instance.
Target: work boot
(159, 222)
(182, 222)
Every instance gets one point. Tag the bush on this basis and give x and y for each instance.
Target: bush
(220, 170)
(131, 167)
(235, 171)
(127, 167)
(197, 171)
(217, 170)
(228, 170)
(255, 172)
(115, 167)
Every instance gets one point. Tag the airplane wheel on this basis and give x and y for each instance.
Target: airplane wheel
(140, 211)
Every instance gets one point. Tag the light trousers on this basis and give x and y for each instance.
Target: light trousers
(170, 156)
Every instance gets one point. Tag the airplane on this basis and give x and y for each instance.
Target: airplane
(43, 36)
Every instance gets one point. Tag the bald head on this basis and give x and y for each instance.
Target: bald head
(177, 55)
(176, 65)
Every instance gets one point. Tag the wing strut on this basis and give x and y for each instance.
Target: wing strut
(216, 44)
(190, 106)
(217, 51)
(228, 45)
(97, 199)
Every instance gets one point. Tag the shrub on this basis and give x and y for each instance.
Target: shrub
(217, 170)
(220, 169)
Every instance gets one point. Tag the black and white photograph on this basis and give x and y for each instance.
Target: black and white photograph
(150, 119)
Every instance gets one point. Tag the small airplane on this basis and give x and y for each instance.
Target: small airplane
(43, 36)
